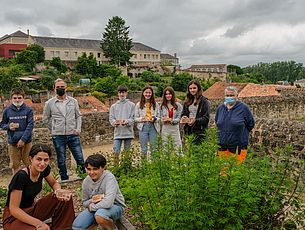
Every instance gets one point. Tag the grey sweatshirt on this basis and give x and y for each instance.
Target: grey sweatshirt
(60, 123)
(122, 110)
(107, 185)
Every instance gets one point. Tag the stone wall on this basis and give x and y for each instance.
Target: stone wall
(96, 130)
(291, 106)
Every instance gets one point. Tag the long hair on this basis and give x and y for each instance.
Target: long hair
(152, 99)
(36, 148)
(173, 100)
(189, 97)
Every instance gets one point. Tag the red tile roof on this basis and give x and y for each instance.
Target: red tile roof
(216, 91)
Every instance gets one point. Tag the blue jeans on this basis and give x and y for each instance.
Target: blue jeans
(148, 134)
(73, 142)
(117, 143)
(87, 218)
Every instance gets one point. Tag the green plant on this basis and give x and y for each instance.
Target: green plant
(175, 191)
(3, 195)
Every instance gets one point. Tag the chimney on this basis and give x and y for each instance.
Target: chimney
(28, 31)
(175, 55)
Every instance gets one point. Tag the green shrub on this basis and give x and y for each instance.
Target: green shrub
(175, 191)
(99, 95)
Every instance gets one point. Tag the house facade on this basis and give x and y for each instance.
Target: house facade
(209, 71)
(69, 49)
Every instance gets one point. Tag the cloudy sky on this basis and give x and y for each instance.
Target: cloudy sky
(241, 32)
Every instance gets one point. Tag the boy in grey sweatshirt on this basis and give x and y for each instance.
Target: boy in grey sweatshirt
(121, 117)
(101, 196)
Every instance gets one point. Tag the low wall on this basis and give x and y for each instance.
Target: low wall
(96, 130)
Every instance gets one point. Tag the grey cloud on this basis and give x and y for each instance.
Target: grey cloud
(236, 31)
(43, 31)
(19, 17)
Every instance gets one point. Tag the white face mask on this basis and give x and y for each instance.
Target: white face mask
(18, 104)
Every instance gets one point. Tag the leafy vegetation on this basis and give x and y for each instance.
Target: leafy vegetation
(175, 191)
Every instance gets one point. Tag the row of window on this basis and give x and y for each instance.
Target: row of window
(73, 54)
(146, 56)
(209, 69)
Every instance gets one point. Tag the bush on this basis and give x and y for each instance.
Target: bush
(99, 95)
(188, 192)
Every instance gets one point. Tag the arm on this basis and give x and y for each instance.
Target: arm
(29, 128)
(112, 116)
(78, 118)
(249, 119)
(130, 120)
(176, 120)
(137, 117)
(205, 113)
(46, 117)
(4, 123)
(18, 213)
(86, 199)
(110, 194)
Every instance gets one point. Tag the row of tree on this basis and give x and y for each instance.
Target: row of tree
(289, 71)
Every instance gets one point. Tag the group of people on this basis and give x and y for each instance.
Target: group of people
(152, 118)
(102, 199)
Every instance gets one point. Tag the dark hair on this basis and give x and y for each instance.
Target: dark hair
(19, 91)
(173, 100)
(122, 88)
(189, 97)
(96, 160)
(152, 99)
(37, 148)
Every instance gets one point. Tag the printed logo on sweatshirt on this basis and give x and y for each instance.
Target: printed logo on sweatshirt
(18, 117)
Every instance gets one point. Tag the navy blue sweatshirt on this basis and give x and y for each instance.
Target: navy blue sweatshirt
(234, 125)
(25, 117)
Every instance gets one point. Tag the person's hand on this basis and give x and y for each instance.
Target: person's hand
(76, 132)
(20, 143)
(63, 194)
(90, 207)
(117, 122)
(123, 122)
(42, 226)
(184, 119)
(97, 198)
(191, 121)
(12, 126)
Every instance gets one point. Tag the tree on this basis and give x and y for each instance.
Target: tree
(180, 81)
(58, 64)
(149, 76)
(116, 44)
(27, 58)
(39, 50)
(86, 65)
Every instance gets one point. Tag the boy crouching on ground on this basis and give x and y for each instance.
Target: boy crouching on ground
(102, 198)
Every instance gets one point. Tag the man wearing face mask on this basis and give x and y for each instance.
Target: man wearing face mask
(121, 117)
(62, 116)
(234, 122)
(18, 120)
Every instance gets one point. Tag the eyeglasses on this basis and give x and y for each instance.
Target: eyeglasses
(15, 98)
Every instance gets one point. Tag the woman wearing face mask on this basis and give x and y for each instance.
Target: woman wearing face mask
(234, 122)
(196, 112)
(147, 119)
(170, 116)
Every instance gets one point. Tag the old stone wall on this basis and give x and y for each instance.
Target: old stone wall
(96, 130)
(291, 106)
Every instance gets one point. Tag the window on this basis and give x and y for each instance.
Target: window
(144, 56)
(75, 54)
(153, 56)
(66, 53)
(52, 53)
(148, 56)
(57, 53)
(99, 55)
(12, 53)
(90, 53)
(135, 56)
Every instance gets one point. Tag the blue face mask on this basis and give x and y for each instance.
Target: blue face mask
(230, 100)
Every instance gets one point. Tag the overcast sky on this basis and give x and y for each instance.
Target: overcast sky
(241, 32)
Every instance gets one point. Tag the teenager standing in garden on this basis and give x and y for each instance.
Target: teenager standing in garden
(196, 112)
(22, 211)
(121, 117)
(234, 122)
(18, 120)
(170, 114)
(147, 119)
